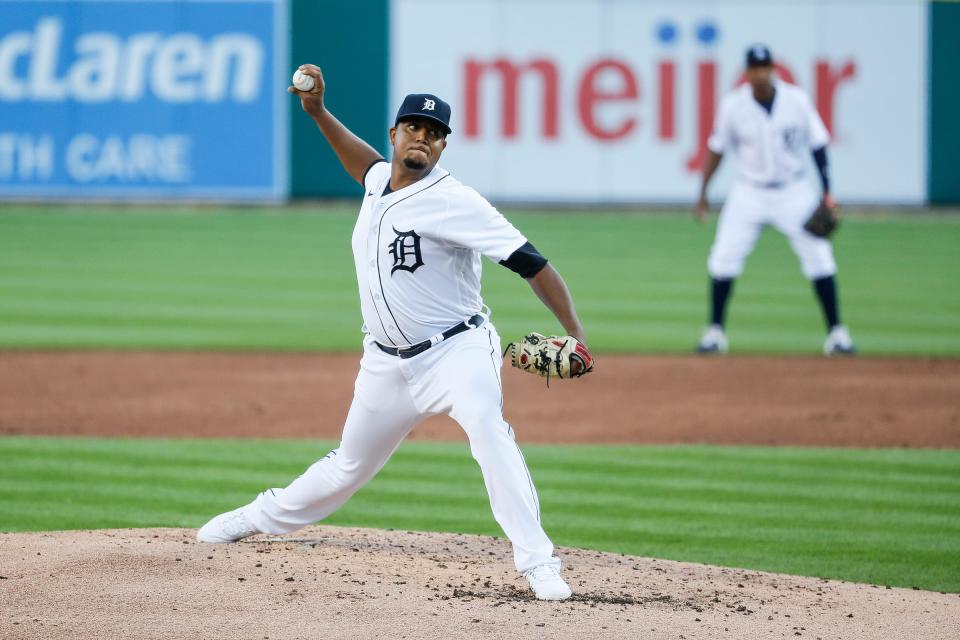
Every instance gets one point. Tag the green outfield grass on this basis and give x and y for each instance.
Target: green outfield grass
(261, 278)
(879, 516)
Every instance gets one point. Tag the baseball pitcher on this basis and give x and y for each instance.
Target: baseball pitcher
(429, 346)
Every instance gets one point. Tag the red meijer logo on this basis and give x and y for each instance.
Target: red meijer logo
(609, 80)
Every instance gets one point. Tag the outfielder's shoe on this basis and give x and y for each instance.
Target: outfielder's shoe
(547, 584)
(839, 342)
(714, 340)
(227, 527)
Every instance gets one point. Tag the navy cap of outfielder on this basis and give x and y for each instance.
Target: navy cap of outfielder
(425, 105)
(759, 56)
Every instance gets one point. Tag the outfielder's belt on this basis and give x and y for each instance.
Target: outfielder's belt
(416, 349)
(777, 184)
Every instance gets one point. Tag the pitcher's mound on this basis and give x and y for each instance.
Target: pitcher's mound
(331, 582)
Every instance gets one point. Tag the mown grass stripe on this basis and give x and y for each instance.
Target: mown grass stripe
(213, 294)
(756, 487)
(624, 463)
(630, 455)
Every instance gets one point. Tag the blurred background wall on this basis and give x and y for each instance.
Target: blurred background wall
(592, 101)
(149, 100)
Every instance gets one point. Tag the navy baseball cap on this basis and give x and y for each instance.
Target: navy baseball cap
(425, 105)
(759, 56)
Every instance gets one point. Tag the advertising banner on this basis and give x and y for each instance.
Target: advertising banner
(608, 101)
(143, 100)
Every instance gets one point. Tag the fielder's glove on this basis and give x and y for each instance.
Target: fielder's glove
(545, 356)
(823, 222)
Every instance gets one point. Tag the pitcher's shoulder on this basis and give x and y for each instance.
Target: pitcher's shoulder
(452, 187)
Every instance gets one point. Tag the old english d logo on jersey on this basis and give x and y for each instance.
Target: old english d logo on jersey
(405, 250)
(791, 138)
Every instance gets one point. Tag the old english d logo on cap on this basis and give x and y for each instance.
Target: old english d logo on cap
(425, 105)
(759, 55)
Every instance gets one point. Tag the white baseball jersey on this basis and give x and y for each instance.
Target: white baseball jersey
(417, 253)
(768, 147)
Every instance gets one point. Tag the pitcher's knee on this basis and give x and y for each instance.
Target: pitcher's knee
(490, 438)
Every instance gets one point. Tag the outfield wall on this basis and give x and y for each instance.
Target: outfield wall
(553, 100)
(350, 41)
(944, 174)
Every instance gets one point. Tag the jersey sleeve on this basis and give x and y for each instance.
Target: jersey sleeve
(526, 261)
(473, 223)
(817, 132)
(375, 173)
(721, 138)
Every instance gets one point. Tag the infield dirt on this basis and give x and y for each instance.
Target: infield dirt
(864, 402)
(330, 582)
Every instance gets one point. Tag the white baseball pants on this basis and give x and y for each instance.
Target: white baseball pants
(459, 377)
(748, 209)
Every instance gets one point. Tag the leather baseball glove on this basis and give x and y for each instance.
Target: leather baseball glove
(545, 356)
(823, 222)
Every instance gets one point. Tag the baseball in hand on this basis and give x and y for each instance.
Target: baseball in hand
(302, 81)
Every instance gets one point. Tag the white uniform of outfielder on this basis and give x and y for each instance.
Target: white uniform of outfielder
(429, 346)
(771, 152)
(771, 128)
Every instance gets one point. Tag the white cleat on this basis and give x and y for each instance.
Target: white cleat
(839, 342)
(547, 584)
(227, 527)
(714, 340)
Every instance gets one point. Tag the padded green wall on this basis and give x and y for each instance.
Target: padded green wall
(350, 42)
(944, 169)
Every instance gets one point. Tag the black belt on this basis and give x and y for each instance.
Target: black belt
(416, 349)
(777, 184)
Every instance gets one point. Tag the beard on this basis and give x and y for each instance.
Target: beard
(416, 165)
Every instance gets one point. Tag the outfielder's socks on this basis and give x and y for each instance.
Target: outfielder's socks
(547, 584)
(227, 527)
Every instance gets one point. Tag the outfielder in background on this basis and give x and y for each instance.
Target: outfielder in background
(429, 346)
(771, 128)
